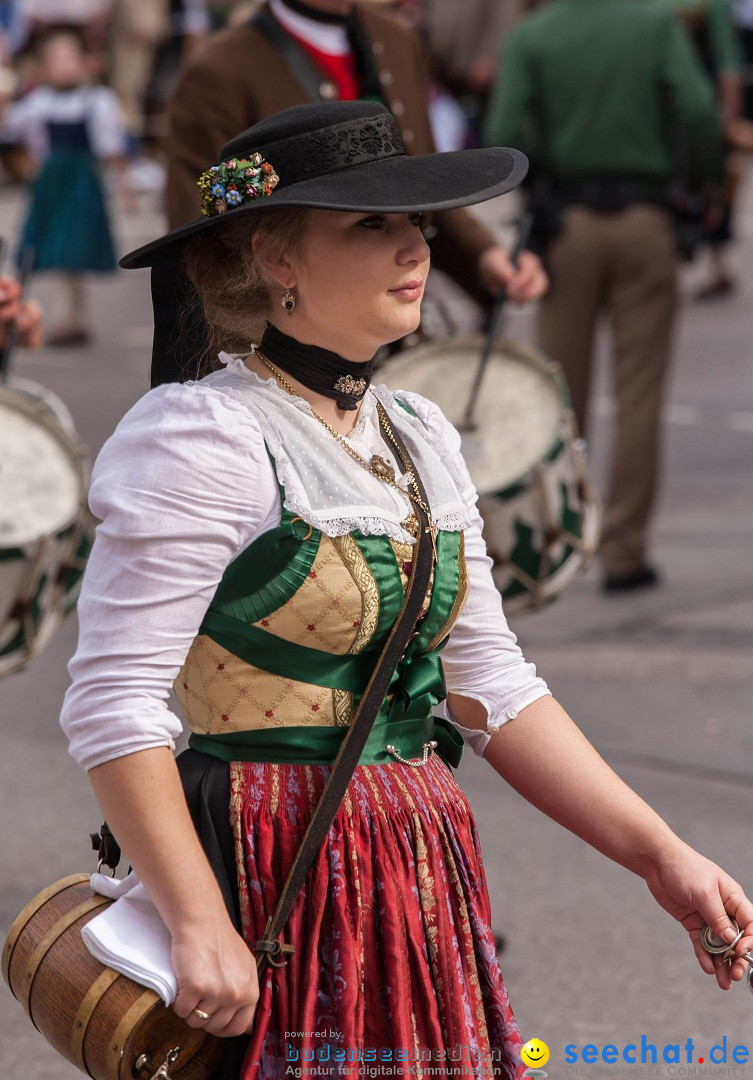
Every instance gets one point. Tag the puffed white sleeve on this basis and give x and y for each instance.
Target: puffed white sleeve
(181, 487)
(107, 124)
(482, 659)
(25, 114)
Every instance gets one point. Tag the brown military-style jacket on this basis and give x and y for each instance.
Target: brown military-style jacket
(238, 78)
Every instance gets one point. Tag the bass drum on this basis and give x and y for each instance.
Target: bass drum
(541, 516)
(46, 529)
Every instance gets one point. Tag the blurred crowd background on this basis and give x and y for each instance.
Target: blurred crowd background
(138, 46)
(137, 49)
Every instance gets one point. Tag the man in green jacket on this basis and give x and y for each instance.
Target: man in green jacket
(712, 29)
(606, 97)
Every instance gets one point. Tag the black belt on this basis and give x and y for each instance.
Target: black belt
(609, 194)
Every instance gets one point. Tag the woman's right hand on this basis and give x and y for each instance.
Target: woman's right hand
(26, 314)
(217, 974)
(142, 798)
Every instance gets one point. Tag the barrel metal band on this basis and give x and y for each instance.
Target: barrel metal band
(141, 1006)
(33, 906)
(91, 1000)
(45, 944)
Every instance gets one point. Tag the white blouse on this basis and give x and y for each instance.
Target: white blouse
(98, 106)
(186, 483)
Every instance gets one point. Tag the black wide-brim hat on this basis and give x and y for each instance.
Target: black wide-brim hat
(341, 155)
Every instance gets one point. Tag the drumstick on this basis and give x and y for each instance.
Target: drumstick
(27, 261)
(521, 239)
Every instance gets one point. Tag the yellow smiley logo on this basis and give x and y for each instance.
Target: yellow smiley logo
(535, 1053)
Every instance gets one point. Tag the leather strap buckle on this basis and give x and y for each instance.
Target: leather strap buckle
(270, 949)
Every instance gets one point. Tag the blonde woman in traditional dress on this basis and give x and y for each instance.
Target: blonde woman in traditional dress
(258, 531)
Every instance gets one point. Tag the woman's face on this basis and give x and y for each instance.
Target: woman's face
(358, 281)
(64, 63)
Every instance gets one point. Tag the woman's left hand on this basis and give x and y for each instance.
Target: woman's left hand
(699, 893)
(526, 281)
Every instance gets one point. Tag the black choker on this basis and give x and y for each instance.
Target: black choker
(319, 369)
(301, 8)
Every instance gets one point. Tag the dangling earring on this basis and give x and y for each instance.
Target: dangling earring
(288, 302)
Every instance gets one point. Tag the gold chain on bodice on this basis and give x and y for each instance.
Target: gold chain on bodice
(377, 466)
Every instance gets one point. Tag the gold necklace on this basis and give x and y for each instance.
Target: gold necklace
(377, 466)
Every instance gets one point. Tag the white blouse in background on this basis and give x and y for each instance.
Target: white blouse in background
(98, 106)
(186, 483)
(75, 12)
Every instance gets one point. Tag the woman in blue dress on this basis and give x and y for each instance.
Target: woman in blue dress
(69, 125)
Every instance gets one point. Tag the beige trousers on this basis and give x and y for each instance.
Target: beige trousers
(623, 265)
(138, 28)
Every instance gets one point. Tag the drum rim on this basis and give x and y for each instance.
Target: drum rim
(33, 389)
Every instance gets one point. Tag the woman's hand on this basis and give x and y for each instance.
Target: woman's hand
(545, 757)
(697, 892)
(524, 282)
(142, 798)
(27, 315)
(217, 974)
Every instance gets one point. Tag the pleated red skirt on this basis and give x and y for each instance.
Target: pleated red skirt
(395, 970)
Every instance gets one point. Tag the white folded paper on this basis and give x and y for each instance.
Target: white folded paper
(131, 937)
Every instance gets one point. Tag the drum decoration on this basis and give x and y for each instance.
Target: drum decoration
(540, 513)
(104, 1023)
(46, 529)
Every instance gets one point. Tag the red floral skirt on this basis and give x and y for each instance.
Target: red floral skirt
(395, 970)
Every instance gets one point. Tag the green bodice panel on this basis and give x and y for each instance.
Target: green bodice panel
(291, 637)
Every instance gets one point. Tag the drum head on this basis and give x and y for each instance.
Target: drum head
(518, 414)
(41, 477)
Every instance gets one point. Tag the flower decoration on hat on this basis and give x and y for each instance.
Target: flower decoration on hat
(235, 182)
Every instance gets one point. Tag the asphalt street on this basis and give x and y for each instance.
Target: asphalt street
(660, 681)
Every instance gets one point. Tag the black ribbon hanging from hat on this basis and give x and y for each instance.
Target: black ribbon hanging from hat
(320, 370)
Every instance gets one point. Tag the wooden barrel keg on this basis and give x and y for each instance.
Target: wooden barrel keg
(104, 1023)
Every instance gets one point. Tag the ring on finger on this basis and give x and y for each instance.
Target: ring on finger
(201, 1015)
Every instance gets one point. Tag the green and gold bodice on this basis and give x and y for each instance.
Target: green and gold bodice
(292, 635)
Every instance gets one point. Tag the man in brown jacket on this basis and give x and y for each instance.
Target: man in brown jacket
(291, 52)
